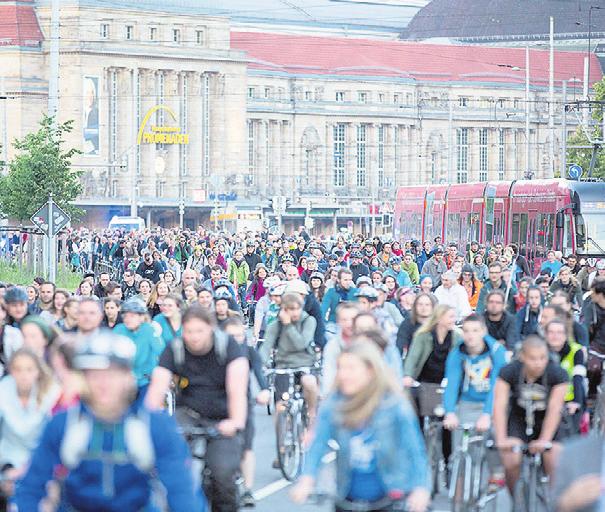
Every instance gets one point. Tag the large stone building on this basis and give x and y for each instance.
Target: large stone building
(251, 114)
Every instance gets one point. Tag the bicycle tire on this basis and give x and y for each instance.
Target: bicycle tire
(521, 495)
(433, 458)
(289, 449)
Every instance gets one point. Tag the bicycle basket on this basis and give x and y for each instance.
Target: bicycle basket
(430, 400)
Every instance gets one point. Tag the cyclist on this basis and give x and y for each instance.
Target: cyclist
(572, 358)
(169, 320)
(500, 323)
(212, 378)
(528, 317)
(137, 446)
(381, 449)
(291, 337)
(471, 370)
(531, 389)
(149, 345)
(343, 290)
(237, 273)
(420, 312)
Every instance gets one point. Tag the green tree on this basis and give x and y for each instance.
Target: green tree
(41, 166)
(582, 156)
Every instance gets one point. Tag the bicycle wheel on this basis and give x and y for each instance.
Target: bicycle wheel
(521, 495)
(458, 486)
(433, 458)
(289, 449)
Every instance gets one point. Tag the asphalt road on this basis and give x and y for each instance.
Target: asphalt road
(271, 490)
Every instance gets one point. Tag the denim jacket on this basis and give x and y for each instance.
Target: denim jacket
(401, 454)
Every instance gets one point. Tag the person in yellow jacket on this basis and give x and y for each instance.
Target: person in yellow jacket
(237, 273)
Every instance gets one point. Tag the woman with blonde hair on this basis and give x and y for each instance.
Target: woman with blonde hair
(158, 293)
(381, 448)
(433, 341)
(28, 396)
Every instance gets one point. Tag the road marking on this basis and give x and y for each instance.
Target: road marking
(270, 489)
(282, 483)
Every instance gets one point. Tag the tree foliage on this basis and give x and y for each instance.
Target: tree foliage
(582, 156)
(40, 167)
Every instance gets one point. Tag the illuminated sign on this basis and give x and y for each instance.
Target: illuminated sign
(161, 134)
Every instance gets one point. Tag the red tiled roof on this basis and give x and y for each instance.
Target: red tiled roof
(19, 25)
(309, 55)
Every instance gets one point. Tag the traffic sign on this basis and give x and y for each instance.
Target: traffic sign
(41, 218)
(60, 219)
(575, 171)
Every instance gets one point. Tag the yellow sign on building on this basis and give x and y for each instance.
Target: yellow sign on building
(161, 134)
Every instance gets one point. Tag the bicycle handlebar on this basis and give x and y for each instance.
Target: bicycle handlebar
(289, 371)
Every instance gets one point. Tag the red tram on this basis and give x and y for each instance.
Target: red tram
(537, 215)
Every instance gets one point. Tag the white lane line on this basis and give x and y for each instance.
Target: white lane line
(270, 489)
(282, 483)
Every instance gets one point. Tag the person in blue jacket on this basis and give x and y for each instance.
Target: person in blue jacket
(343, 290)
(148, 344)
(471, 370)
(111, 448)
(396, 271)
(382, 455)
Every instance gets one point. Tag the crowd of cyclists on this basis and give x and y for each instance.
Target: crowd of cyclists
(174, 332)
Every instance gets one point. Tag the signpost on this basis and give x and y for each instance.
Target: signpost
(51, 220)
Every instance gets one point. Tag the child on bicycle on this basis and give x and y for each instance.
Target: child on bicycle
(528, 399)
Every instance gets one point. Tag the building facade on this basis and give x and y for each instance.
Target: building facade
(180, 112)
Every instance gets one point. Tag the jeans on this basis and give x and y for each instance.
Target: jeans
(222, 459)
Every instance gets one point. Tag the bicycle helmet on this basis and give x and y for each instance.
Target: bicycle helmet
(133, 305)
(363, 279)
(287, 257)
(104, 349)
(317, 275)
(367, 292)
(395, 260)
(278, 289)
(356, 254)
(297, 286)
(222, 294)
(15, 294)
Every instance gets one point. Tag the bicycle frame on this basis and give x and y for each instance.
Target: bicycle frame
(531, 476)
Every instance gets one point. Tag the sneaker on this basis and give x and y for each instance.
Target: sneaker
(247, 500)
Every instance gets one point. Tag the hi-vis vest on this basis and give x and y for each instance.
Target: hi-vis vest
(568, 366)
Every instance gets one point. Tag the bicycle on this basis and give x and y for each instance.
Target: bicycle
(532, 488)
(430, 408)
(197, 438)
(467, 485)
(291, 423)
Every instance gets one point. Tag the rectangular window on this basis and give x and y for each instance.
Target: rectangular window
(434, 167)
(251, 152)
(396, 98)
(501, 154)
(129, 32)
(200, 37)
(104, 31)
(462, 155)
(268, 93)
(361, 155)
(176, 35)
(381, 155)
(362, 97)
(516, 103)
(159, 188)
(380, 97)
(339, 134)
(340, 96)
(483, 154)
(463, 102)
(113, 116)
(153, 33)
(308, 96)
(251, 92)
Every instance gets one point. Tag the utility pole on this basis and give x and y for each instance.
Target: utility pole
(564, 136)
(181, 213)
(52, 258)
(527, 159)
(551, 101)
(53, 82)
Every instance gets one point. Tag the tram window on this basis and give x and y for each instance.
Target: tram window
(580, 232)
(472, 227)
(515, 230)
(524, 236)
(453, 227)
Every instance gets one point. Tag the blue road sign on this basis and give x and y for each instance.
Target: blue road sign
(575, 171)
